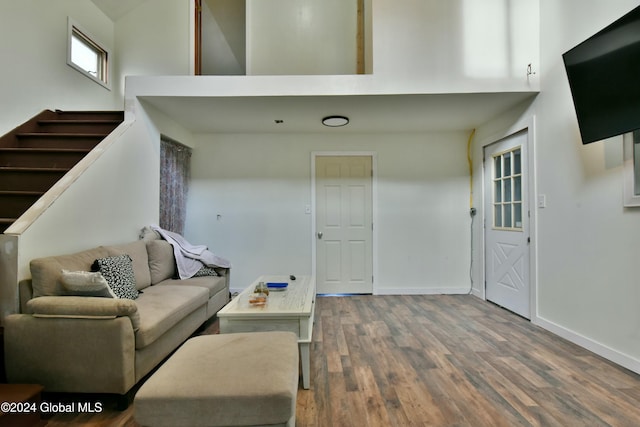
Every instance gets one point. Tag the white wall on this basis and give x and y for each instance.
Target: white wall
(588, 286)
(154, 39)
(457, 45)
(260, 184)
(588, 252)
(35, 75)
(301, 37)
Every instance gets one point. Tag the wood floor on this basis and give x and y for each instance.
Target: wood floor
(442, 361)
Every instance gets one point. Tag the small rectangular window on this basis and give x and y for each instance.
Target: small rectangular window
(87, 56)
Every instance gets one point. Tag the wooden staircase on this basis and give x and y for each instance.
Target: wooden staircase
(36, 154)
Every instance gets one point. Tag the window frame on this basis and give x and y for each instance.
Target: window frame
(104, 55)
(631, 141)
(512, 202)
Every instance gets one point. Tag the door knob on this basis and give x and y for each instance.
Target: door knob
(319, 234)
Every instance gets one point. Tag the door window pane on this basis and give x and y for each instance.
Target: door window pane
(517, 167)
(507, 216)
(507, 164)
(517, 215)
(507, 190)
(517, 189)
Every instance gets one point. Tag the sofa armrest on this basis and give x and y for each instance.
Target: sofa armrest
(77, 355)
(84, 307)
(222, 271)
(226, 273)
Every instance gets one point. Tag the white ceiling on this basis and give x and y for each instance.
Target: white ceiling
(367, 113)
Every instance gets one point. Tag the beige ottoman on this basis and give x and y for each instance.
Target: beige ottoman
(243, 379)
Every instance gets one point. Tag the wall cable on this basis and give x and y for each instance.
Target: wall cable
(470, 161)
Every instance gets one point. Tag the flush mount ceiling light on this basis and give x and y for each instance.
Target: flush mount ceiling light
(335, 121)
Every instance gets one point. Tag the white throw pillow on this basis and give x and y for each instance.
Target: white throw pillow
(86, 283)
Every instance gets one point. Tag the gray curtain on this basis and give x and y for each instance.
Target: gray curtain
(175, 169)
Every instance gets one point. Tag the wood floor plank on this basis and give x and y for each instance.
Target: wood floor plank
(376, 411)
(442, 360)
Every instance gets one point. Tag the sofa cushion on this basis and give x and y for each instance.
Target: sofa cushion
(162, 263)
(148, 233)
(86, 283)
(162, 307)
(118, 270)
(47, 272)
(138, 252)
(213, 284)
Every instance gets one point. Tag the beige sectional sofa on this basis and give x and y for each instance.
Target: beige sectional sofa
(89, 344)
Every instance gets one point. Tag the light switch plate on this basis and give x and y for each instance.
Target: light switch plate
(542, 201)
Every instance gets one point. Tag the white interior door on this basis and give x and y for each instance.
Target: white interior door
(507, 224)
(344, 224)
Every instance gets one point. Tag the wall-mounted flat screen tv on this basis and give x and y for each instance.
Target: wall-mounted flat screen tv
(604, 77)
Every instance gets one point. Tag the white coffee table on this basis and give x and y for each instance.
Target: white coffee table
(290, 310)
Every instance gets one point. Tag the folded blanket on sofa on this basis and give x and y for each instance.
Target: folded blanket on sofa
(190, 258)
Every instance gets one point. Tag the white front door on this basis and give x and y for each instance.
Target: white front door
(507, 224)
(344, 224)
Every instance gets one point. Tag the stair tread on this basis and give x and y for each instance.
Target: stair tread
(88, 112)
(31, 169)
(83, 121)
(61, 135)
(21, 193)
(47, 150)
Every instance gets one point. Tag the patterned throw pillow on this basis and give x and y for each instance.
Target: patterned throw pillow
(118, 271)
(205, 271)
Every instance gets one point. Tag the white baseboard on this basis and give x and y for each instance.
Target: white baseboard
(602, 350)
(405, 291)
(421, 291)
(477, 293)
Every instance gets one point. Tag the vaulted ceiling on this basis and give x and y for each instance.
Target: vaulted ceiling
(115, 9)
(367, 112)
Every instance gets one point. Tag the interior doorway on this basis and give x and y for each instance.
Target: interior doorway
(343, 188)
(220, 37)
